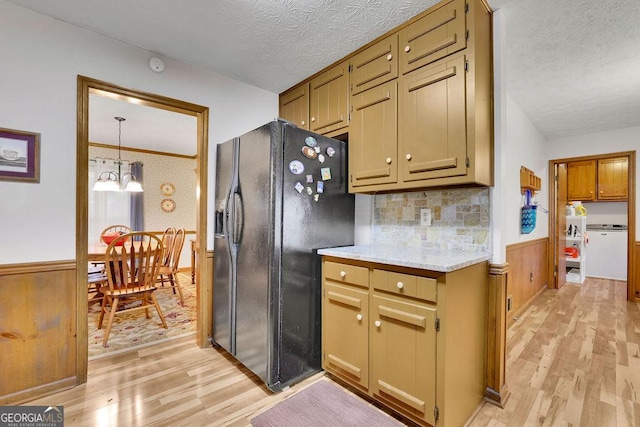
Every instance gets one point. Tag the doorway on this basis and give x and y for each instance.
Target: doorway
(86, 87)
(558, 197)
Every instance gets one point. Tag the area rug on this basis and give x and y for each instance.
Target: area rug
(133, 330)
(324, 404)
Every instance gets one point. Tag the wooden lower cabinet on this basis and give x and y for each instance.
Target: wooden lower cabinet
(403, 355)
(346, 312)
(411, 339)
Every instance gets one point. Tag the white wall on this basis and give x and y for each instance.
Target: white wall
(626, 139)
(525, 146)
(40, 60)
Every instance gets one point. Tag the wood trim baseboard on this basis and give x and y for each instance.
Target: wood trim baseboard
(39, 391)
(496, 391)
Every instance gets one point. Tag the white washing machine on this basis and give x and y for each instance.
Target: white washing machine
(607, 251)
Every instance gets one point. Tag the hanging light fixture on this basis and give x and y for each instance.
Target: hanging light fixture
(114, 181)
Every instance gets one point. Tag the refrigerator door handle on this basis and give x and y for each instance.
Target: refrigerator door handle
(238, 218)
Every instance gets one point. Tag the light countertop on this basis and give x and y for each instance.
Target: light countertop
(403, 256)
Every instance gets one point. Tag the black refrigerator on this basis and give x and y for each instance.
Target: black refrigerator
(281, 194)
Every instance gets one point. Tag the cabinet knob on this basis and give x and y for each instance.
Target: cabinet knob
(388, 160)
(359, 316)
(408, 157)
(313, 119)
(343, 274)
(601, 191)
(407, 48)
(377, 323)
(389, 57)
(303, 123)
(400, 285)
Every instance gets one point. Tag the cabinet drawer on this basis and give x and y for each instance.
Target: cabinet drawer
(440, 33)
(375, 65)
(423, 288)
(345, 273)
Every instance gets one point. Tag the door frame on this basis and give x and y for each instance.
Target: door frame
(85, 87)
(631, 214)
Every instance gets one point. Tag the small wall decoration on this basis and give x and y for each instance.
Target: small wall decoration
(19, 155)
(167, 189)
(168, 205)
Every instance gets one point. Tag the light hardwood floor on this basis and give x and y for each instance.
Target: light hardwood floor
(573, 360)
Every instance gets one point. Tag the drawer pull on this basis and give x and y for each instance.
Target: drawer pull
(353, 370)
(402, 396)
(402, 316)
(407, 48)
(389, 57)
(359, 316)
(344, 299)
(343, 274)
(400, 285)
(377, 323)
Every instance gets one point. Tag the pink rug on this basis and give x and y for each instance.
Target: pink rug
(324, 404)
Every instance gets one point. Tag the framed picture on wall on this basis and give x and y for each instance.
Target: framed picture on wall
(19, 156)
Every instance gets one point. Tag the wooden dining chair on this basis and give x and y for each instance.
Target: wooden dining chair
(169, 269)
(96, 279)
(133, 260)
(168, 237)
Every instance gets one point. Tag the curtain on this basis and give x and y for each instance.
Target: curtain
(137, 199)
(106, 207)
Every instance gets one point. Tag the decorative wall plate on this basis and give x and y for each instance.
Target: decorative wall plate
(168, 205)
(168, 189)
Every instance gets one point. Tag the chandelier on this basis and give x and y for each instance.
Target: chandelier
(115, 180)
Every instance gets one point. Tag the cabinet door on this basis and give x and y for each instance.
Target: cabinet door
(613, 179)
(375, 65)
(433, 129)
(440, 33)
(581, 180)
(294, 106)
(329, 106)
(403, 355)
(373, 137)
(345, 340)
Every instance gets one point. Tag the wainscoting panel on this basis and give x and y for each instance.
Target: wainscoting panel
(528, 275)
(37, 329)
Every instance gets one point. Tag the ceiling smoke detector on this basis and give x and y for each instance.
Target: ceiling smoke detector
(156, 65)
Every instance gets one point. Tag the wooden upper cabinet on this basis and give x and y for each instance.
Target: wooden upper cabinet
(436, 35)
(613, 179)
(294, 106)
(329, 100)
(605, 179)
(581, 180)
(433, 130)
(373, 137)
(375, 65)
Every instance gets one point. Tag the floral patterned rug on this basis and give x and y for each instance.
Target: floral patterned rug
(133, 330)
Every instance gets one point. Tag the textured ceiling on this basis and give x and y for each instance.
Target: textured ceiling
(572, 66)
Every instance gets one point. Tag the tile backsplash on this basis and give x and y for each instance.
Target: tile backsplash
(459, 219)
